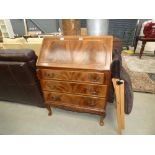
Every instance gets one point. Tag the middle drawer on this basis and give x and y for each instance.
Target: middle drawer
(74, 88)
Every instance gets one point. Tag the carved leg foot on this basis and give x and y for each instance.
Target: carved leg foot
(101, 120)
(142, 49)
(135, 45)
(49, 110)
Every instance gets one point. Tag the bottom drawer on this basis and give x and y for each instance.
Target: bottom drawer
(77, 100)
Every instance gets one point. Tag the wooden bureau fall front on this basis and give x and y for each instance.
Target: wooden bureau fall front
(75, 74)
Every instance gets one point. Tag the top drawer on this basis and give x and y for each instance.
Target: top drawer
(79, 76)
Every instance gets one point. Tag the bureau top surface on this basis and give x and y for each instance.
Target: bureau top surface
(92, 52)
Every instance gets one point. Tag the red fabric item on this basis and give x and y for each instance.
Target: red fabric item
(149, 30)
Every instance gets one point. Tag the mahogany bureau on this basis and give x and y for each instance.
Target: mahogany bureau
(75, 74)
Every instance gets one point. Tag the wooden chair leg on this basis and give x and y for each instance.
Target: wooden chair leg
(122, 104)
(142, 49)
(118, 108)
(135, 45)
(119, 92)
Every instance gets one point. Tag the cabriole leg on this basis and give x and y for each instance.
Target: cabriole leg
(101, 120)
(49, 110)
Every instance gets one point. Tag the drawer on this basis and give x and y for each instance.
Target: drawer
(75, 88)
(79, 76)
(77, 100)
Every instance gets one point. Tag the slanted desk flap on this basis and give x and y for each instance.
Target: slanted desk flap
(93, 53)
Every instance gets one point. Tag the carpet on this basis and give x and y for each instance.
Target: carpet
(141, 71)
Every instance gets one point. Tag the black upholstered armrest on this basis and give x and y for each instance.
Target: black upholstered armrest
(116, 64)
(20, 55)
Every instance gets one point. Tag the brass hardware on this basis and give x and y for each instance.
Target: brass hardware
(51, 86)
(96, 79)
(56, 98)
(91, 78)
(53, 98)
(51, 75)
(91, 102)
(95, 92)
(92, 91)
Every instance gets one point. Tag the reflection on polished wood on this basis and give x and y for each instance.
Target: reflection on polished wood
(87, 53)
(75, 88)
(70, 75)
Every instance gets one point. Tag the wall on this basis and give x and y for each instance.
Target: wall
(47, 25)
(122, 28)
(18, 26)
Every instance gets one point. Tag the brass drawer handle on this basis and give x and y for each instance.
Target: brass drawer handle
(93, 91)
(50, 75)
(52, 87)
(55, 98)
(91, 102)
(91, 78)
(96, 92)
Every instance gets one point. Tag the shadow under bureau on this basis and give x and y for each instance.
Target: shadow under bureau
(75, 74)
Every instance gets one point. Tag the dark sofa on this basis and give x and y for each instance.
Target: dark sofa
(18, 79)
(119, 72)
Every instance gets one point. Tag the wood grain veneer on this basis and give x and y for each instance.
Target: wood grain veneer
(74, 88)
(75, 73)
